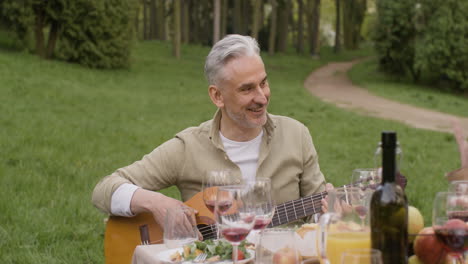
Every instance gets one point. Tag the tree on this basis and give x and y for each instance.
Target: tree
(272, 36)
(395, 36)
(216, 20)
(176, 24)
(256, 19)
(337, 47)
(353, 17)
(283, 24)
(300, 27)
(313, 23)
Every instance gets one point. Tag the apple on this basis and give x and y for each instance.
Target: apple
(454, 224)
(414, 260)
(286, 255)
(415, 222)
(428, 248)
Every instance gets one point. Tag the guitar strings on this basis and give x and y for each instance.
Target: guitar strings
(310, 205)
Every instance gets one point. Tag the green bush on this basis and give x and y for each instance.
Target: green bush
(443, 47)
(98, 34)
(395, 36)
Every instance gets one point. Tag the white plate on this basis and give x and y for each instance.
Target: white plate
(165, 256)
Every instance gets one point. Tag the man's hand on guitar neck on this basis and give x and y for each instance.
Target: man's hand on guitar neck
(155, 203)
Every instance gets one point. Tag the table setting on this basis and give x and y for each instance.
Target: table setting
(243, 212)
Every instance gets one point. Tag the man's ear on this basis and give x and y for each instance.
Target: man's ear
(216, 96)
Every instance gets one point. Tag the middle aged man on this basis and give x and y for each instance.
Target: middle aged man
(242, 137)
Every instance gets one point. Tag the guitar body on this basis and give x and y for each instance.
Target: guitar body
(123, 233)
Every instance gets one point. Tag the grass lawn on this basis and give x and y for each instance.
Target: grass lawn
(365, 74)
(63, 127)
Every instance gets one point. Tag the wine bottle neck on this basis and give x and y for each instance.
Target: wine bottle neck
(388, 164)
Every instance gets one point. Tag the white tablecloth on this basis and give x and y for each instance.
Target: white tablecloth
(147, 254)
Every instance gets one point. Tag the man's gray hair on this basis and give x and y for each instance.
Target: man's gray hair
(231, 46)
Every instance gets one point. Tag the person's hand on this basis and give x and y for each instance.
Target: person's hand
(461, 142)
(157, 204)
(328, 187)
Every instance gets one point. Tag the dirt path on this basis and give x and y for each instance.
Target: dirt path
(331, 84)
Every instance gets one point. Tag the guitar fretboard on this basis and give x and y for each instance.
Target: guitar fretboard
(286, 212)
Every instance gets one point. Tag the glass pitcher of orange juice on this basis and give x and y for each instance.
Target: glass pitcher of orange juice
(346, 224)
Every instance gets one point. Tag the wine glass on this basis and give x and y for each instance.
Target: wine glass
(365, 178)
(361, 256)
(235, 213)
(263, 204)
(460, 187)
(210, 185)
(180, 227)
(277, 245)
(449, 220)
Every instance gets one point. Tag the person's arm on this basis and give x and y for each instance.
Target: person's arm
(462, 173)
(154, 171)
(312, 180)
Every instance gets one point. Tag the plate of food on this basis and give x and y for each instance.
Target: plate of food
(218, 251)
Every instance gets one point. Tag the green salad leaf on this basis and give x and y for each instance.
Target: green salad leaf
(212, 248)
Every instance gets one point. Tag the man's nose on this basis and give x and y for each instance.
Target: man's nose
(261, 96)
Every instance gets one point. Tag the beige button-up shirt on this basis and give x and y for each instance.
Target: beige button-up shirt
(287, 156)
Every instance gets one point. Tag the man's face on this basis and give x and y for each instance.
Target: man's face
(245, 92)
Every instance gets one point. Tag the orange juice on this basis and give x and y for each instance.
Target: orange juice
(339, 242)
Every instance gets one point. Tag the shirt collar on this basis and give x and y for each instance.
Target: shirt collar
(269, 129)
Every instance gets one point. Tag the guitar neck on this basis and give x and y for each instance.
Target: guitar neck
(287, 212)
(293, 210)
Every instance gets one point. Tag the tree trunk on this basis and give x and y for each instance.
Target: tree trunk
(337, 47)
(353, 17)
(53, 36)
(185, 21)
(284, 9)
(176, 40)
(161, 19)
(238, 16)
(224, 15)
(145, 20)
(273, 21)
(300, 27)
(39, 34)
(314, 24)
(256, 18)
(152, 19)
(217, 20)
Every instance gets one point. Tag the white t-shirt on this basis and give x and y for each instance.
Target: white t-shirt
(243, 154)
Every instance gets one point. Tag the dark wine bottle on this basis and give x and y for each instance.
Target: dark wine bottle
(389, 209)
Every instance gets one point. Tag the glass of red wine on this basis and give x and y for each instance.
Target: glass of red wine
(449, 220)
(263, 203)
(235, 213)
(211, 182)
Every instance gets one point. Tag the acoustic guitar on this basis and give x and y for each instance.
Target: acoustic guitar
(123, 235)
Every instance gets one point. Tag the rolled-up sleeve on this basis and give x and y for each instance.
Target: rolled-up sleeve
(156, 170)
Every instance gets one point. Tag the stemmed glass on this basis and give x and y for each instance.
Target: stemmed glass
(263, 203)
(367, 178)
(449, 220)
(460, 187)
(235, 214)
(210, 185)
(361, 255)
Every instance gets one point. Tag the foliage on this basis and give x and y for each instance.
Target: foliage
(93, 33)
(17, 16)
(442, 48)
(353, 18)
(395, 36)
(98, 34)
